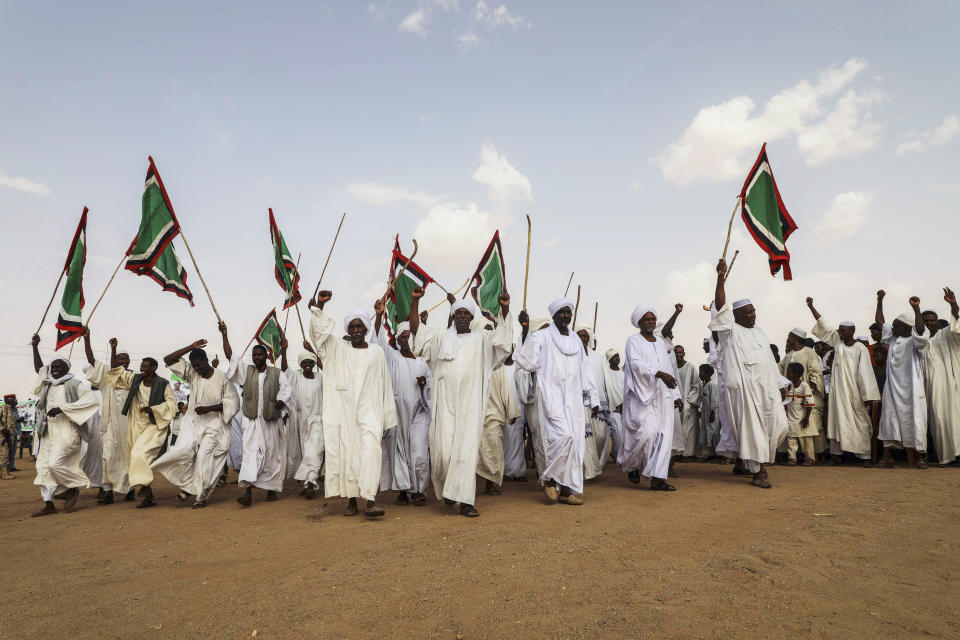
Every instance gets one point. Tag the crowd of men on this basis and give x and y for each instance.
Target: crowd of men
(425, 406)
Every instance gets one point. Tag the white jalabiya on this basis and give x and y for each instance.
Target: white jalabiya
(306, 409)
(648, 407)
(686, 419)
(406, 449)
(752, 385)
(853, 383)
(58, 456)
(526, 384)
(358, 407)
(235, 454)
(514, 462)
(709, 406)
(113, 430)
(264, 454)
(564, 385)
(194, 463)
(727, 444)
(91, 451)
(613, 386)
(460, 365)
(597, 447)
(904, 419)
(501, 410)
(942, 366)
(145, 437)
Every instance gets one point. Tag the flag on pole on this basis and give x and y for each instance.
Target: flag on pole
(490, 280)
(400, 298)
(69, 322)
(151, 253)
(766, 216)
(285, 270)
(269, 335)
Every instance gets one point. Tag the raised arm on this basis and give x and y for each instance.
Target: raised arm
(113, 353)
(878, 316)
(87, 349)
(227, 350)
(283, 353)
(667, 329)
(414, 317)
(524, 321)
(720, 294)
(37, 361)
(378, 321)
(917, 316)
(951, 299)
(813, 310)
(172, 358)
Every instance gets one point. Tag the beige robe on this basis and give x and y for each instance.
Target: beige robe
(144, 438)
(501, 409)
(58, 456)
(942, 376)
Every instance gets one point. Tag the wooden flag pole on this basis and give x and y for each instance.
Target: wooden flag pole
(596, 308)
(706, 307)
(393, 280)
(576, 308)
(92, 311)
(726, 244)
(200, 275)
(448, 293)
(52, 296)
(330, 253)
(567, 290)
(526, 270)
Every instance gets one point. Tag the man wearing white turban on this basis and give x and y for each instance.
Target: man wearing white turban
(613, 386)
(853, 389)
(461, 363)
(564, 387)
(358, 406)
(66, 404)
(942, 368)
(757, 418)
(305, 406)
(798, 351)
(904, 419)
(406, 449)
(651, 396)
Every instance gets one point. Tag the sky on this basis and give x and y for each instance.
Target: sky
(624, 130)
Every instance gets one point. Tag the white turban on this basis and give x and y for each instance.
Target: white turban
(641, 310)
(907, 318)
(539, 323)
(467, 304)
(558, 304)
(590, 337)
(360, 315)
(742, 303)
(800, 333)
(403, 326)
(847, 323)
(49, 377)
(610, 353)
(863, 339)
(304, 356)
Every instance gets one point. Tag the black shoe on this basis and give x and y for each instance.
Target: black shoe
(271, 496)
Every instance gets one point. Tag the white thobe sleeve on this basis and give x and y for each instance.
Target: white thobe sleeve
(528, 358)
(724, 320)
(825, 331)
(235, 373)
(920, 340)
(230, 400)
(866, 378)
(285, 393)
(591, 396)
(500, 341)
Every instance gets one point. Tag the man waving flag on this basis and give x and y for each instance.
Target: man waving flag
(69, 323)
(766, 216)
(285, 269)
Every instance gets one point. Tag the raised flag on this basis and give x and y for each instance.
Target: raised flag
(401, 296)
(766, 216)
(151, 253)
(490, 280)
(69, 322)
(285, 270)
(269, 335)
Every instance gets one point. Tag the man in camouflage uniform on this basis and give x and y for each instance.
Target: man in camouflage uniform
(8, 436)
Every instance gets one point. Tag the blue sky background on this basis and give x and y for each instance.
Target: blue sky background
(624, 129)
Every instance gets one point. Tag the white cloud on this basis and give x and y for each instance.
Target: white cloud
(453, 236)
(23, 184)
(847, 212)
(920, 141)
(448, 5)
(415, 23)
(720, 141)
(505, 183)
(469, 40)
(385, 194)
(377, 11)
(497, 18)
(947, 187)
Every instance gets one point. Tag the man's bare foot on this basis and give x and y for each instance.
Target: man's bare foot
(70, 499)
(372, 510)
(351, 509)
(246, 498)
(48, 510)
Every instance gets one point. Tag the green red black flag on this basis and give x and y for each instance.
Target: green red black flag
(285, 269)
(490, 280)
(69, 322)
(766, 216)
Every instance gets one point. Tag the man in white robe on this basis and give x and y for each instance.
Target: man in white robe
(564, 389)
(942, 368)
(194, 463)
(501, 411)
(65, 405)
(903, 423)
(598, 432)
(853, 389)
(306, 415)
(526, 386)
(613, 386)
(358, 406)
(651, 396)
(752, 380)
(265, 393)
(514, 462)
(406, 449)
(461, 362)
(113, 426)
(688, 382)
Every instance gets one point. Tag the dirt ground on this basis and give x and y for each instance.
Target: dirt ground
(828, 552)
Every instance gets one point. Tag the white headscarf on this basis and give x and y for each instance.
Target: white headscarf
(467, 304)
(448, 350)
(403, 326)
(800, 333)
(558, 304)
(639, 311)
(907, 318)
(591, 338)
(742, 303)
(360, 315)
(49, 377)
(610, 353)
(304, 356)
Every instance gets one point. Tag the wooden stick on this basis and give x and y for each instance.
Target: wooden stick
(567, 290)
(596, 308)
(454, 293)
(732, 262)
(200, 275)
(52, 296)
(393, 280)
(87, 323)
(730, 228)
(330, 253)
(526, 270)
(575, 309)
(300, 320)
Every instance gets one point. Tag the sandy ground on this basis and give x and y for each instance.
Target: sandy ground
(828, 552)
